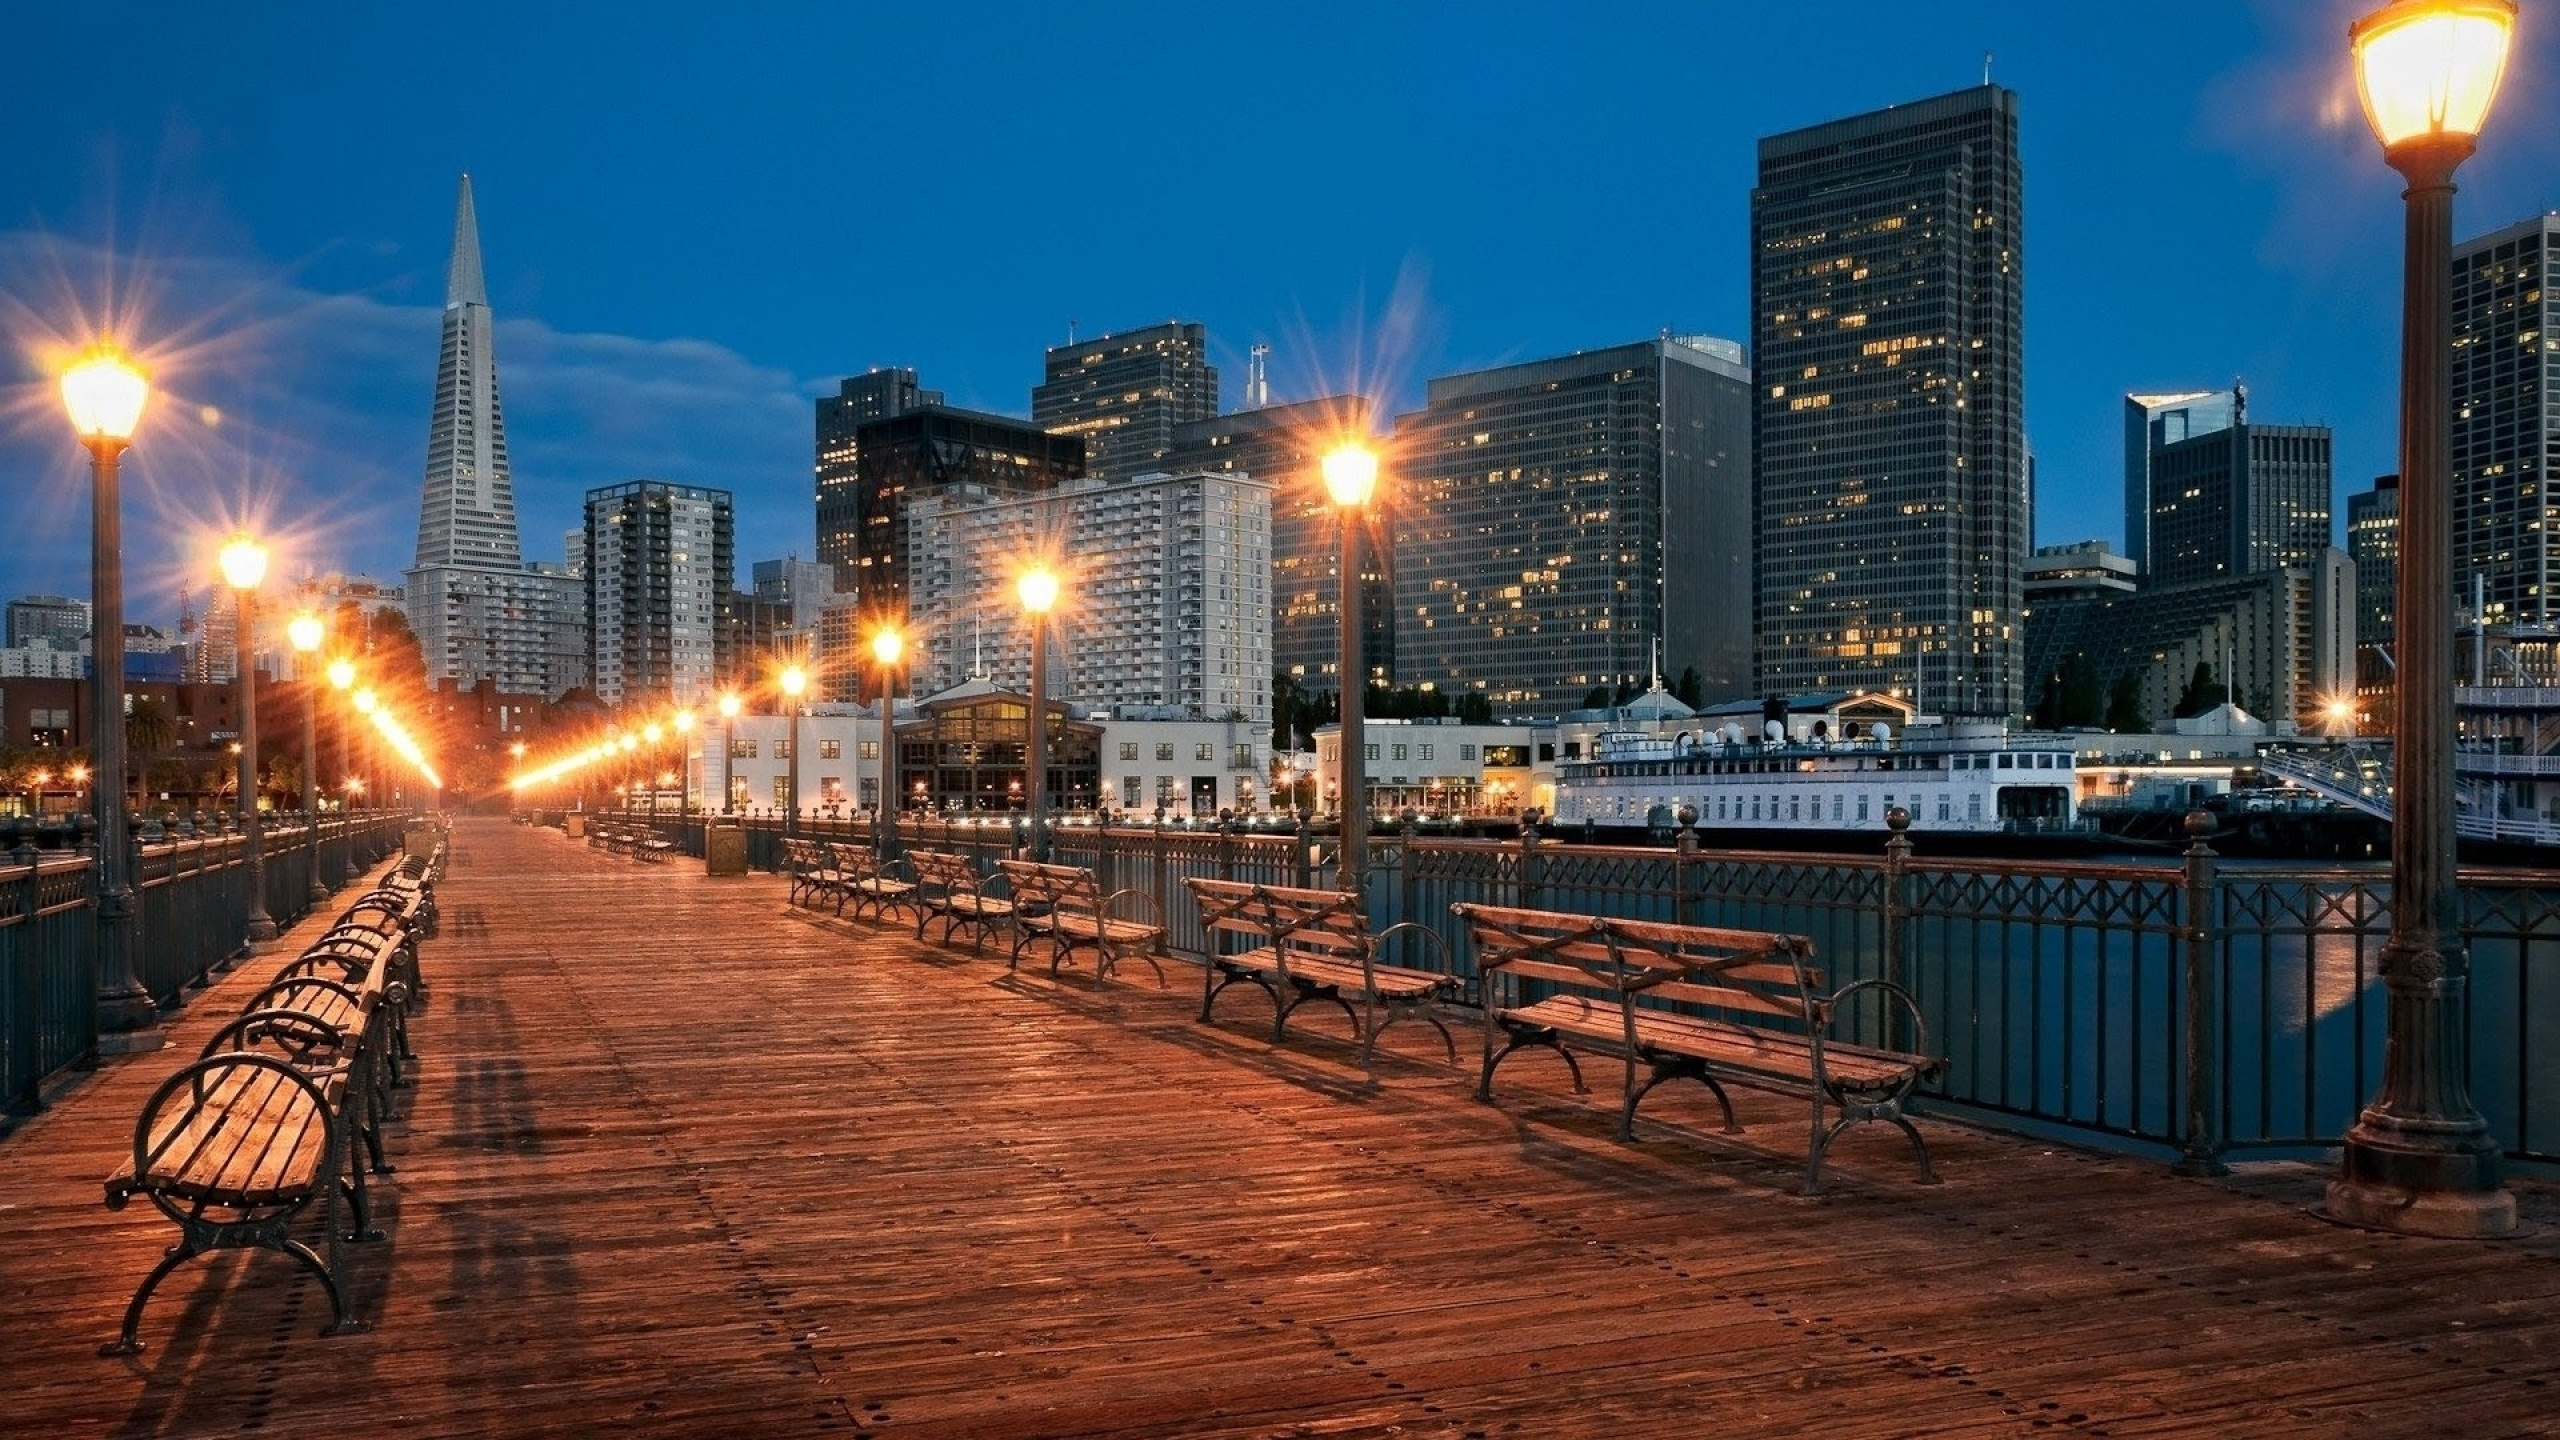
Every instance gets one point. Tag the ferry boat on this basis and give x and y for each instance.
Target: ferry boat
(1978, 784)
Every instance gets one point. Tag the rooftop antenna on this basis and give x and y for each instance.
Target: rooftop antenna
(1657, 662)
(1986, 67)
(1071, 329)
(1257, 377)
(977, 647)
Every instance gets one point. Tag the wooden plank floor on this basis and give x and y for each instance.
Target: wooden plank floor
(684, 1162)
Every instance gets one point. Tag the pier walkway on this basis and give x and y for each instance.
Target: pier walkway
(681, 1161)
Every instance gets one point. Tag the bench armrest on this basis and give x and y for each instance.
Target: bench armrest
(1444, 960)
(1827, 1007)
(1111, 907)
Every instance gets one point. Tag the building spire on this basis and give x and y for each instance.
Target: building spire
(463, 284)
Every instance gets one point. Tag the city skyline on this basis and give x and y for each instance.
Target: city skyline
(303, 274)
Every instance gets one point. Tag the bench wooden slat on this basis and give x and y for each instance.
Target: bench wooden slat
(1313, 945)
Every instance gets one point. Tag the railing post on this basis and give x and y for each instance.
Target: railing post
(1893, 943)
(2201, 1153)
(1408, 883)
(1302, 861)
(1532, 866)
(1684, 859)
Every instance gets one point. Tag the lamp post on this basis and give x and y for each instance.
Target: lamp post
(306, 633)
(2420, 1158)
(105, 393)
(887, 647)
(342, 678)
(794, 683)
(366, 704)
(1351, 477)
(728, 747)
(244, 565)
(1039, 591)
(683, 725)
(652, 734)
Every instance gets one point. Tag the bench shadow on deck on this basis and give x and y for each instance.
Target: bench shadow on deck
(683, 1161)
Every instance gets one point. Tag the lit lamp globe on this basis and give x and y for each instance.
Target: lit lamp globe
(1351, 475)
(888, 645)
(365, 702)
(104, 393)
(244, 562)
(2427, 71)
(795, 682)
(1038, 589)
(630, 743)
(729, 707)
(683, 722)
(651, 733)
(306, 632)
(342, 674)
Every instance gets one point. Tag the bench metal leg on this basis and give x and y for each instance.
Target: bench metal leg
(1677, 1067)
(129, 1342)
(1234, 976)
(1854, 1112)
(1307, 992)
(1523, 1039)
(1369, 1043)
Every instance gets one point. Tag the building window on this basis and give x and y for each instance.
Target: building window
(782, 749)
(1132, 789)
(1128, 749)
(1164, 749)
(830, 790)
(1426, 753)
(870, 792)
(1368, 752)
(830, 749)
(1400, 752)
(1164, 790)
(782, 792)
(867, 750)
(1203, 750)
(1242, 759)
(1466, 752)
(741, 749)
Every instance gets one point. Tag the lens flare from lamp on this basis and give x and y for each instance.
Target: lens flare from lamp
(342, 674)
(729, 707)
(104, 393)
(244, 562)
(306, 632)
(1351, 475)
(887, 646)
(1038, 589)
(795, 681)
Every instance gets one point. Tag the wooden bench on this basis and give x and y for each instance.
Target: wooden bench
(232, 1149)
(1752, 1009)
(950, 886)
(1315, 945)
(870, 881)
(655, 847)
(812, 873)
(1064, 905)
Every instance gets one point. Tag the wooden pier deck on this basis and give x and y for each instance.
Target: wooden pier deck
(682, 1162)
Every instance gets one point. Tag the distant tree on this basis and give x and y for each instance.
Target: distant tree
(283, 780)
(1597, 699)
(168, 777)
(1284, 709)
(149, 728)
(2124, 703)
(2203, 693)
(1691, 688)
(2046, 713)
(1474, 708)
(2084, 695)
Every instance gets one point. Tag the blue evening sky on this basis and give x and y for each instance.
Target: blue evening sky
(696, 216)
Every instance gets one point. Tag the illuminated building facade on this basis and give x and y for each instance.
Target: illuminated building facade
(660, 565)
(2237, 500)
(1124, 394)
(2506, 421)
(858, 401)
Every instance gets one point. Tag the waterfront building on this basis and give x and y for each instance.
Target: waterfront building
(858, 401)
(2373, 542)
(2237, 500)
(1888, 446)
(917, 452)
(1285, 445)
(1554, 521)
(1170, 598)
(2151, 422)
(55, 622)
(1124, 395)
(2085, 568)
(477, 612)
(660, 560)
(2506, 422)
(2282, 642)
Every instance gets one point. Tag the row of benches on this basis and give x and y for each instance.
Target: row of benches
(640, 842)
(1673, 1002)
(236, 1146)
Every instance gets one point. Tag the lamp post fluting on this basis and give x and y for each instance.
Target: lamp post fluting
(306, 633)
(2420, 1158)
(728, 751)
(1039, 591)
(795, 683)
(1351, 477)
(244, 565)
(887, 647)
(104, 394)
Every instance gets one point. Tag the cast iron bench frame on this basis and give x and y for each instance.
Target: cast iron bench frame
(1316, 945)
(950, 886)
(1065, 905)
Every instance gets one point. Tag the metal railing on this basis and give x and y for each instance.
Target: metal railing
(2202, 1006)
(191, 918)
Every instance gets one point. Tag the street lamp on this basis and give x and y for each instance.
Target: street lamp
(728, 744)
(887, 647)
(306, 632)
(244, 565)
(1351, 478)
(683, 723)
(105, 393)
(2420, 1158)
(366, 704)
(795, 683)
(342, 678)
(1038, 588)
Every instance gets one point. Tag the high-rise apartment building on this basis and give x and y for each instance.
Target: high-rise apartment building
(858, 401)
(2373, 542)
(1285, 445)
(1889, 452)
(2506, 421)
(1553, 520)
(2150, 422)
(800, 587)
(52, 622)
(1168, 604)
(2237, 500)
(920, 451)
(660, 564)
(1124, 394)
(478, 612)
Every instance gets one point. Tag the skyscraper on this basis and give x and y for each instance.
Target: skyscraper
(2506, 421)
(1888, 449)
(2373, 540)
(2237, 500)
(2151, 421)
(479, 614)
(1285, 445)
(1125, 393)
(858, 401)
(1554, 519)
(661, 559)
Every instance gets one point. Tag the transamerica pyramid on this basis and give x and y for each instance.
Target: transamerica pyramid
(481, 614)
